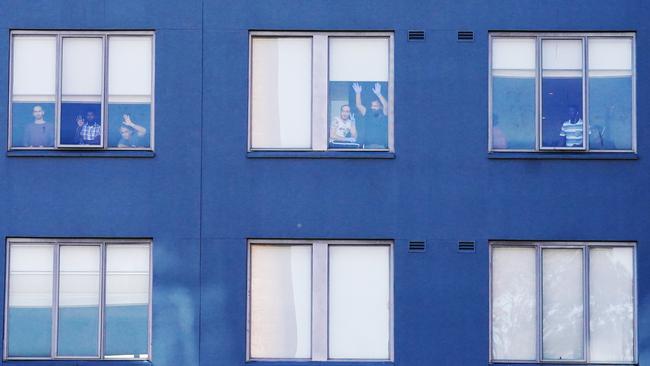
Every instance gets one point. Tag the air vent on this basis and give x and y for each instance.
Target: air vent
(465, 36)
(416, 35)
(417, 246)
(466, 246)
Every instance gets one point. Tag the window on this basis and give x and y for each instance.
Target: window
(81, 90)
(562, 92)
(563, 301)
(320, 300)
(78, 299)
(321, 91)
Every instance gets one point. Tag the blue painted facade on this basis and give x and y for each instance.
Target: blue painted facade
(201, 196)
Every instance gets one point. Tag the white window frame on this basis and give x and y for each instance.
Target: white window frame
(104, 35)
(320, 85)
(57, 244)
(584, 37)
(319, 294)
(585, 247)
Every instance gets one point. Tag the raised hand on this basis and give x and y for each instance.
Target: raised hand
(377, 89)
(357, 88)
(126, 119)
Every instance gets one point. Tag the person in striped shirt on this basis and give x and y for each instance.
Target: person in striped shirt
(572, 129)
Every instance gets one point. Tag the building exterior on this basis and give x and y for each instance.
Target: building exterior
(415, 246)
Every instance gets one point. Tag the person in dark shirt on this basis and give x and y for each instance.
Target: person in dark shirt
(374, 126)
(40, 133)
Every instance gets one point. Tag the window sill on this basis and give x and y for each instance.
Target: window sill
(321, 154)
(76, 362)
(82, 153)
(564, 155)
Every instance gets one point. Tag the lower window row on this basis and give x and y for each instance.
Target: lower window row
(78, 299)
(320, 300)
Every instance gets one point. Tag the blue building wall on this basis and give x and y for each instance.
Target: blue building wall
(202, 196)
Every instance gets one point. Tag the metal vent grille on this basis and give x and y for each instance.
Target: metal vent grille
(417, 246)
(465, 36)
(466, 246)
(416, 35)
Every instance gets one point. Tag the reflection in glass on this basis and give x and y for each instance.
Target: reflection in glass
(610, 93)
(358, 93)
(611, 304)
(513, 304)
(127, 301)
(280, 301)
(78, 324)
(562, 94)
(513, 93)
(281, 93)
(562, 304)
(359, 302)
(29, 323)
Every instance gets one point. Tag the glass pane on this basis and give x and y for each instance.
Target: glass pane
(127, 301)
(281, 93)
(514, 309)
(129, 68)
(280, 301)
(358, 93)
(81, 124)
(78, 300)
(562, 94)
(129, 125)
(82, 75)
(32, 124)
(359, 302)
(82, 67)
(513, 93)
(562, 304)
(29, 320)
(34, 68)
(610, 94)
(611, 304)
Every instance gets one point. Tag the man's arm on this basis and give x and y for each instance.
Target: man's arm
(384, 102)
(357, 98)
(126, 119)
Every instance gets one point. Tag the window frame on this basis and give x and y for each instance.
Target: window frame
(56, 244)
(320, 297)
(584, 38)
(58, 85)
(320, 58)
(585, 246)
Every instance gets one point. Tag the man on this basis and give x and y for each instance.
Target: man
(375, 121)
(343, 129)
(40, 133)
(89, 131)
(571, 132)
(130, 133)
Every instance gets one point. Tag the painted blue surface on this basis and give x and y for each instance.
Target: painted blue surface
(200, 197)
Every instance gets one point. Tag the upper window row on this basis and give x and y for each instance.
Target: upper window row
(81, 90)
(321, 91)
(562, 92)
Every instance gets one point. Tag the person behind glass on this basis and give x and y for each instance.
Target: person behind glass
(130, 133)
(89, 132)
(375, 120)
(572, 129)
(40, 133)
(343, 128)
